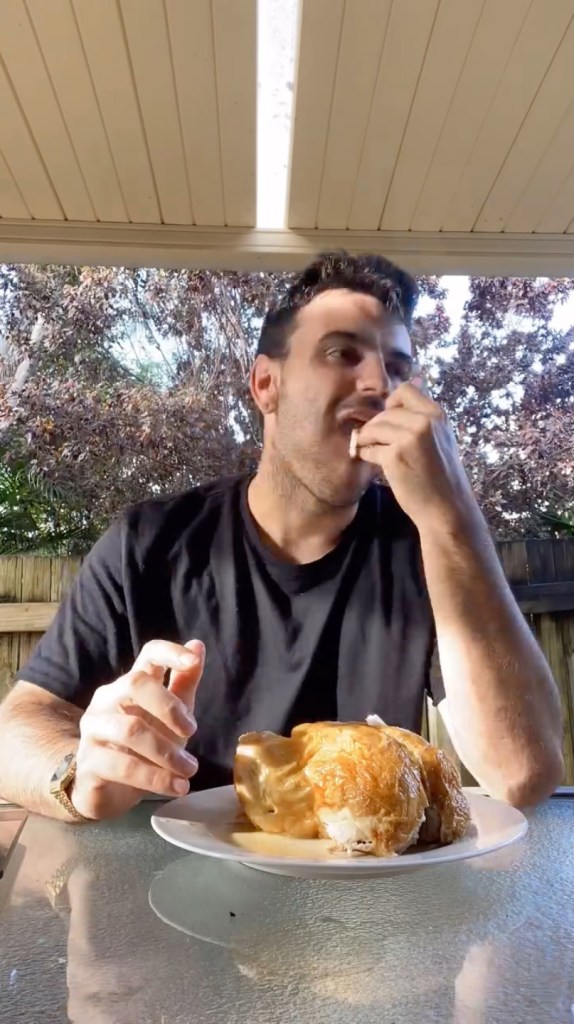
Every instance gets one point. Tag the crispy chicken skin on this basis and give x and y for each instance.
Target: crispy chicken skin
(448, 814)
(369, 788)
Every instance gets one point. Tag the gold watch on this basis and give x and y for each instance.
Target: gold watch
(60, 783)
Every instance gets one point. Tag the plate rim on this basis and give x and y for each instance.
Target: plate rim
(406, 861)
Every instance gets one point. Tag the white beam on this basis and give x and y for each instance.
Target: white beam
(428, 252)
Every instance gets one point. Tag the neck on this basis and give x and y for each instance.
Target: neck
(295, 525)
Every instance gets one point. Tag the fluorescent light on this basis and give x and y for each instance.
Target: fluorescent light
(276, 31)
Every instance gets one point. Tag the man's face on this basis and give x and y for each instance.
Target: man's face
(346, 355)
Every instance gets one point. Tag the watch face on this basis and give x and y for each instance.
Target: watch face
(61, 769)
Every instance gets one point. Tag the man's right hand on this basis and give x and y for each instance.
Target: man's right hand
(133, 733)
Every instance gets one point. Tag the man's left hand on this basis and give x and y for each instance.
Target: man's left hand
(414, 445)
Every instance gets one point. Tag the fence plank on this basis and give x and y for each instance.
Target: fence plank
(540, 562)
(567, 627)
(543, 598)
(36, 582)
(10, 590)
(63, 572)
(513, 558)
(27, 617)
(550, 636)
(563, 551)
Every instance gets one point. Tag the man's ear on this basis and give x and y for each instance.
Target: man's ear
(264, 384)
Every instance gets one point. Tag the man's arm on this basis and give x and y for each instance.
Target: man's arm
(502, 706)
(37, 730)
(129, 741)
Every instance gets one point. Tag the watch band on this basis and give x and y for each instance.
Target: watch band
(65, 802)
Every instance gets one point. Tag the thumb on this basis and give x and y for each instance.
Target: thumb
(184, 682)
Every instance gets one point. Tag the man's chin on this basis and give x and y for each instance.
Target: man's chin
(347, 492)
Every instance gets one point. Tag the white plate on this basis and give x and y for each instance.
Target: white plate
(211, 823)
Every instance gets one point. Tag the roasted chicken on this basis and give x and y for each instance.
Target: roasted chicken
(370, 788)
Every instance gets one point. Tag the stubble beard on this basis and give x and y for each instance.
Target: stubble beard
(310, 486)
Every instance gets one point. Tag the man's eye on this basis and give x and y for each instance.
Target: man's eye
(399, 371)
(343, 354)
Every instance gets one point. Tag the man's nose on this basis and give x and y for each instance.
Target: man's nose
(373, 379)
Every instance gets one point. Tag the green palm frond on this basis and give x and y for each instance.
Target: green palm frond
(38, 517)
(564, 525)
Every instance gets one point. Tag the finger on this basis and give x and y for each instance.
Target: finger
(183, 683)
(134, 735)
(138, 689)
(115, 766)
(411, 397)
(383, 433)
(374, 454)
(158, 655)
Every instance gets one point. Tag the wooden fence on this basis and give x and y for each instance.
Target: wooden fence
(541, 573)
(30, 591)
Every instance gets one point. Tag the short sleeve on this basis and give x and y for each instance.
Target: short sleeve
(89, 641)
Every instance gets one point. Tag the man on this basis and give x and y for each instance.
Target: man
(309, 591)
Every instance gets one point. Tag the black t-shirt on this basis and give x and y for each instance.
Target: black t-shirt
(339, 638)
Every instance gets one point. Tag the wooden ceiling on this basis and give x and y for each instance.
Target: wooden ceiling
(440, 132)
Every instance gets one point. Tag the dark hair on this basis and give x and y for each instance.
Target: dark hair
(373, 275)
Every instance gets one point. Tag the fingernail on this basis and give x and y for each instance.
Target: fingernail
(181, 786)
(189, 721)
(189, 761)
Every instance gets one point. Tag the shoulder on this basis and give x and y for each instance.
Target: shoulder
(161, 523)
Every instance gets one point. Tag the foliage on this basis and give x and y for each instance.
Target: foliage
(117, 384)
(508, 386)
(561, 525)
(37, 517)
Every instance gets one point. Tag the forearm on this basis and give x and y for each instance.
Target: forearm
(503, 705)
(34, 737)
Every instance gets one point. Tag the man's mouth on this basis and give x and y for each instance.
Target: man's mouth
(354, 420)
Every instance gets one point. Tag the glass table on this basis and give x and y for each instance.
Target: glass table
(107, 924)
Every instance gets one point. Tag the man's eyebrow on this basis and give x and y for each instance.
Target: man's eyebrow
(348, 335)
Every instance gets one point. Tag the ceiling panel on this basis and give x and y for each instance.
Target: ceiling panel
(537, 131)
(11, 202)
(399, 72)
(528, 63)
(147, 37)
(235, 37)
(104, 44)
(31, 83)
(23, 160)
(546, 179)
(57, 33)
(320, 26)
(560, 211)
(360, 50)
(495, 35)
(192, 47)
(440, 73)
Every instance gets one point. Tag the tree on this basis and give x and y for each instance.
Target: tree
(508, 387)
(123, 383)
(117, 384)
